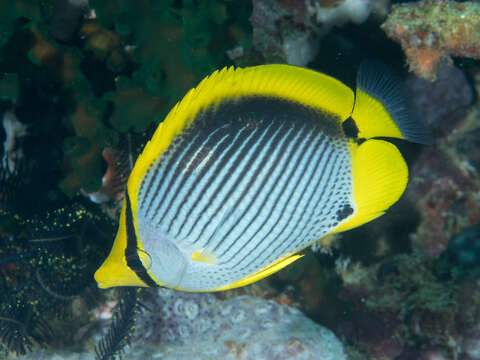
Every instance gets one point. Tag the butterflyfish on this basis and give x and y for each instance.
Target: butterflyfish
(251, 167)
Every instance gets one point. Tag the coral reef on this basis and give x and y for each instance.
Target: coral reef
(44, 275)
(84, 83)
(441, 104)
(328, 13)
(430, 31)
(296, 43)
(444, 183)
(423, 302)
(106, 69)
(291, 31)
(410, 306)
(176, 325)
(243, 327)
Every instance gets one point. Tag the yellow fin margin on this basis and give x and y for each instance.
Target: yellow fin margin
(269, 270)
(379, 175)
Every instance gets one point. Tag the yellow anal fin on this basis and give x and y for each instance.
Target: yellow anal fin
(379, 176)
(259, 275)
(204, 256)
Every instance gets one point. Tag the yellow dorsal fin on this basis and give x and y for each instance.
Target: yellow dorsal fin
(372, 118)
(262, 273)
(287, 82)
(379, 176)
(382, 108)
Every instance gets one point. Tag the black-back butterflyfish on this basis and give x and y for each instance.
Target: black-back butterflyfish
(252, 166)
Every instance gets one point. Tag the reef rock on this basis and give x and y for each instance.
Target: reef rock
(178, 325)
(188, 326)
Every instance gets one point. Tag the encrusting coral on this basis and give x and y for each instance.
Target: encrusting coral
(430, 31)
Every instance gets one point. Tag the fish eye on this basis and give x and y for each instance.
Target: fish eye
(138, 260)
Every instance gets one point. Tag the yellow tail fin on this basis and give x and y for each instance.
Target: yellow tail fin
(380, 176)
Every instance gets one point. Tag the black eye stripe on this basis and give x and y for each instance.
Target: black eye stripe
(131, 254)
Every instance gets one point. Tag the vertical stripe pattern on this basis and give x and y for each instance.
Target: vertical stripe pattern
(250, 182)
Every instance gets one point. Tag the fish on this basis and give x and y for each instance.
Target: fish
(254, 165)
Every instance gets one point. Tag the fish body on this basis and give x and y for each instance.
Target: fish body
(252, 166)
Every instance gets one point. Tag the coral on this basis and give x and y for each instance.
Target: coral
(244, 327)
(291, 31)
(282, 32)
(84, 150)
(468, 318)
(444, 186)
(105, 45)
(399, 305)
(60, 63)
(103, 69)
(177, 325)
(430, 31)
(442, 104)
(83, 85)
(336, 13)
(444, 182)
(177, 43)
(445, 208)
(149, 107)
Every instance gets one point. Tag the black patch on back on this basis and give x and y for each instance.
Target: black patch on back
(131, 251)
(345, 212)
(256, 110)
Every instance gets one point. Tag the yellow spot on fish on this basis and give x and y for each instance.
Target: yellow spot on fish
(204, 256)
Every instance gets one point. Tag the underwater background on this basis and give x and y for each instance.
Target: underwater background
(83, 86)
